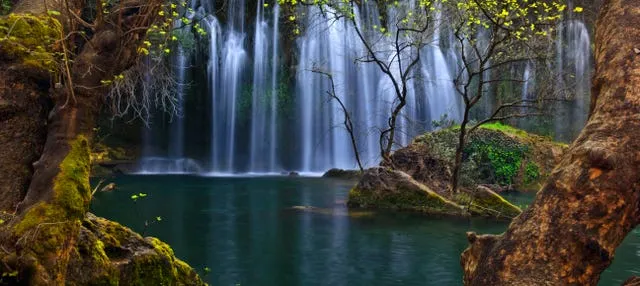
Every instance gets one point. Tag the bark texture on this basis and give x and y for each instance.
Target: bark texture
(24, 105)
(592, 199)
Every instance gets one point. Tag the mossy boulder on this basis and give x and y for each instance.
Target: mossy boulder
(497, 155)
(384, 188)
(102, 253)
(110, 254)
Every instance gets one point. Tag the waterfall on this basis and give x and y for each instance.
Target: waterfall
(175, 162)
(176, 145)
(273, 126)
(263, 157)
(266, 110)
(529, 80)
(233, 60)
(213, 30)
(574, 70)
(367, 117)
(258, 154)
(579, 52)
(311, 89)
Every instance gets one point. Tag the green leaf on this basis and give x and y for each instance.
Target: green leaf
(158, 218)
(53, 13)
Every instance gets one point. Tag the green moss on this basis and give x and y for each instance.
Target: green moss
(31, 39)
(488, 204)
(71, 186)
(71, 191)
(47, 228)
(421, 200)
(497, 126)
(161, 247)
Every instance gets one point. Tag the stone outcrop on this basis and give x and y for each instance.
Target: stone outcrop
(384, 188)
(495, 154)
(419, 175)
(103, 253)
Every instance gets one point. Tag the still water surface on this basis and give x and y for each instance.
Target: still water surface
(247, 232)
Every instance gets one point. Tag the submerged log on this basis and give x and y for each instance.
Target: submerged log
(591, 200)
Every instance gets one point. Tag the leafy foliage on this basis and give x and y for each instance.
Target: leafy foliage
(497, 159)
(531, 173)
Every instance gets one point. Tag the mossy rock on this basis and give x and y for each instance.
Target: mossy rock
(102, 253)
(31, 40)
(110, 254)
(494, 154)
(383, 188)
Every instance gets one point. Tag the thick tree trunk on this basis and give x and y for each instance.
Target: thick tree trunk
(45, 233)
(75, 113)
(591, 201)
(24, 105)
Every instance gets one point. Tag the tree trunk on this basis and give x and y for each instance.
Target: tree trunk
(44, 233)
(457, 165)
(590, 202)
(24, 105)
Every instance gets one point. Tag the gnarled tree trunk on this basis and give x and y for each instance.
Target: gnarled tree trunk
(24, 105)
(592, 199)
(43, 237)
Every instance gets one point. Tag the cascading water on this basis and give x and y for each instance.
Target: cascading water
(233, 61)
(574, 67)
(273, 123)
(438, 80)
(213, 30)
(257, 126)
(176, 145)
(174, 162)
(259, 160)
(529, 81)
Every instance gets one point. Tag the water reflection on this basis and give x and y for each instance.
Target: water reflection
(297, 231)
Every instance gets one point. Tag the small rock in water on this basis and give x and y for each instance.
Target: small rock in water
(342, 174)
(294, 174)
(109, 187)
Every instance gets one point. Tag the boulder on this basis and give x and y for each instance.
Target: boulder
(103, 253)
(495, 154)
(343, 174)
(496, 157)
(385, 188)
